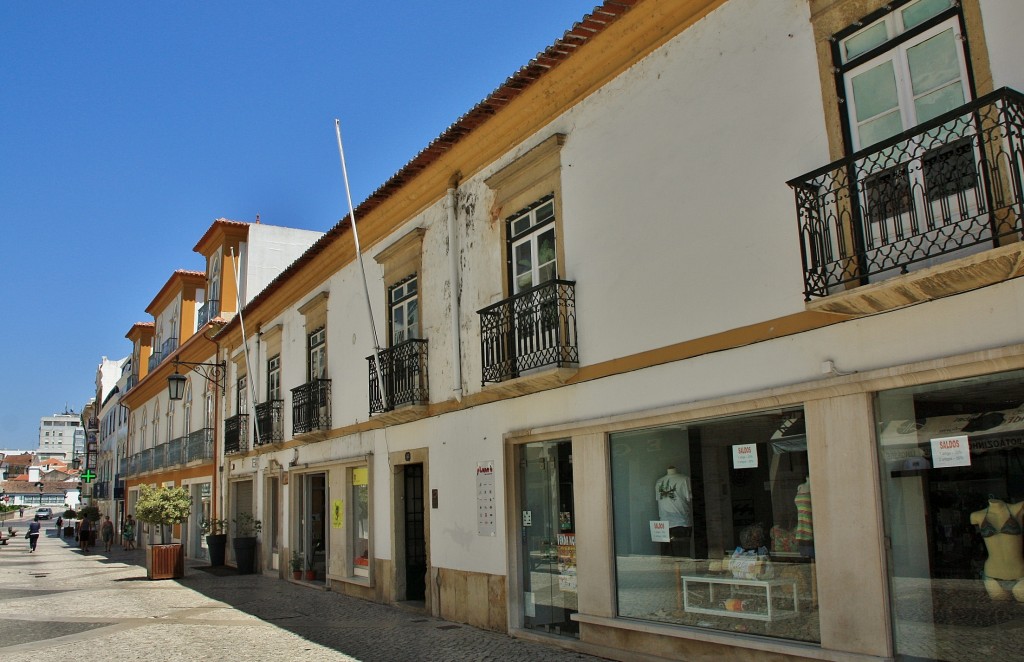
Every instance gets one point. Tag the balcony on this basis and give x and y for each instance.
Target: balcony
(199, 445)
(174, 452)
(269, 423)
(530, 332)
(145, 461)
(130, 383)
(311, 406)
(155, 360)
(404, 372)
(101, 489)
(236, 434)
(935, 211)
(208, 311)
(168, 346)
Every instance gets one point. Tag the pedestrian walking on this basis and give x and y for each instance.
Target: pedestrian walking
(107, 533)
(33, 533)
(85, 534)
(128, 534)
(21, 512)
(60, 523)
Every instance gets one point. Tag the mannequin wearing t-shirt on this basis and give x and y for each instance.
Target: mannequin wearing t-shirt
(804, 533)
(672, 492)
(1000, 526)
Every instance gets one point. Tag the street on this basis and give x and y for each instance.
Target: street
(61, 604)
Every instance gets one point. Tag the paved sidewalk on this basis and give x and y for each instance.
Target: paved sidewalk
(58, 603)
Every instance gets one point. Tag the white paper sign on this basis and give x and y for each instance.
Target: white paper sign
(951, 452)
(744, 456)
(659, 531)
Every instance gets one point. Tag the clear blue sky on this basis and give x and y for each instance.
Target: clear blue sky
(126, 128)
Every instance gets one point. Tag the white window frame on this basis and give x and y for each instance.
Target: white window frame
(401, 297)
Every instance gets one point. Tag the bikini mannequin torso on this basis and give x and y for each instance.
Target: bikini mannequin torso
(1000, 526)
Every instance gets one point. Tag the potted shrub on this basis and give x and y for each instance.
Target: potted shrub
(296, 564)
(164, 507)
(247, 527)
(215, 531)
(310, 572)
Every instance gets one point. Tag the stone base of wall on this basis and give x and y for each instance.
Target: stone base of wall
(473, 598)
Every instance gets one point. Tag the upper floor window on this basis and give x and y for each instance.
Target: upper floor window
(318, 354)
(904, 68)
(404, 311)
(274, 378)
(241, 399)
(170, 419)
(214, 297)
(531, 236)
(187, 425)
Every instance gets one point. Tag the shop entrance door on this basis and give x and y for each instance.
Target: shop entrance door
(548, 534)
(313, 524)
(415, 538)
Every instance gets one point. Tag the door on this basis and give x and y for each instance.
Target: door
(313, 524)
(415, 535)
(548, 534)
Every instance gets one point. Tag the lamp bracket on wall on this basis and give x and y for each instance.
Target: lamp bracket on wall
(214, 373)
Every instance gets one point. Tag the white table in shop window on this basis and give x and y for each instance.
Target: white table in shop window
(772, 589)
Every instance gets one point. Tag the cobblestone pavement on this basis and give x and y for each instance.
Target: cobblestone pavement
(58, 603)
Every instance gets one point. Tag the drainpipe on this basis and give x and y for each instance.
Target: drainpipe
(453, 281)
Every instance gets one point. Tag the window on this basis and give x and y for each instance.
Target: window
(713, 525)
(404, 300)
(899, 72)
(187, 426)
(531, 234)
(241, 398)
(951, 456)
(274, 378)
(170, 419)
(360, 530)
(156, 424)
(318, 354)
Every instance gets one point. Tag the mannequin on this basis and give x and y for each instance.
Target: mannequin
(804, 533)
(1000, 526)
(672, 492)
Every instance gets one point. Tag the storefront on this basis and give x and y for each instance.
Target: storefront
(952, 475)
(713, 525)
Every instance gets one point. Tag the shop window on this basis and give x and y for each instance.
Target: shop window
(713, 525)
(952, 461)
(360, 530)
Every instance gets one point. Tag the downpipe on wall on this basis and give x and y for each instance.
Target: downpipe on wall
(453, 281)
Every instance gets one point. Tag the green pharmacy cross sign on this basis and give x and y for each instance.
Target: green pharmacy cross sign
(88, 475)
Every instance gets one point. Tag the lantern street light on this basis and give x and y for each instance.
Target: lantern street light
(212, 372)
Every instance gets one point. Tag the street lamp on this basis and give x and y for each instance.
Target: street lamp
(40, 486)
(212, 372)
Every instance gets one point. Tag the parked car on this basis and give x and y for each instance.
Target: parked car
(44, 513)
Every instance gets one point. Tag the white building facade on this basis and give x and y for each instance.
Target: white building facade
(646, 387)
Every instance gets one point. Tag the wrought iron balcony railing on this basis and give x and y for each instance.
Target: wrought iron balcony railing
(155, 360)
(174, 452)
(168, 346)
(208, 311)
(404, 371)
(945, 188)
(145, 460)
(130, 383)
(533, 329)
(311, 406)
(269, 423)
(199, 445)
(236, 434)
(101, 489)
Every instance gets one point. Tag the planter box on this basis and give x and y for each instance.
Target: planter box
(165, 561)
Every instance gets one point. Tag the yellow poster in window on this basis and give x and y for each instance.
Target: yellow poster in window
(359, 476)
(337, 513)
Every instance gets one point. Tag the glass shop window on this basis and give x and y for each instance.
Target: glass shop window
(713, 525)
(952, 463)
(360, 522)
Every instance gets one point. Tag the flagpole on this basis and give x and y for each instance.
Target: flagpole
(362, 269)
